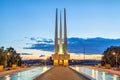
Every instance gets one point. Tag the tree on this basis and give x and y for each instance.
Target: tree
(18, 60)
(1, 55)
(9, 57)
(14, 57)
(109, 58)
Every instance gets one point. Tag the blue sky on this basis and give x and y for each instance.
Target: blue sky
(36, 18)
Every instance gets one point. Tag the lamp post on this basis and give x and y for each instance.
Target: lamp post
(7, 57)
(46, 61)
(115, 54)
(84, 53)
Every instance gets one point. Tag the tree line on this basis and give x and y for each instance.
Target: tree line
(9, 56)
(111, 56)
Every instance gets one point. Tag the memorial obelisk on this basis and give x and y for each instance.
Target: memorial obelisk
(61, 57)
(65, 34)
(60, 45)
(56, 33)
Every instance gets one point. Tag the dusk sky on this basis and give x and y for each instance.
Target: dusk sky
(24, 19)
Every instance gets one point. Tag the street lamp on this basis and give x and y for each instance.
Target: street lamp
(84, 53)
(8, 54)
(46, 61)
(115, 54)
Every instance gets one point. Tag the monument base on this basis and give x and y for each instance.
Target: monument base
(60, 59)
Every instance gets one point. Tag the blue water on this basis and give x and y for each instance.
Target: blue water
(26, 75)
(97, 74)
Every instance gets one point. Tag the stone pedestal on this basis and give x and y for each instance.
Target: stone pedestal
(60, 59)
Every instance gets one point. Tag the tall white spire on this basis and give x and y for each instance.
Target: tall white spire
(65, 34)
(56, 33)
(60, 45)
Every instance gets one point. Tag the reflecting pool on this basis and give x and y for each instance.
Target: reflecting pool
(26, 75)
(96, 74)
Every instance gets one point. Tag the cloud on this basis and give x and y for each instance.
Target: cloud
(41, 46)
(26, 54)
(32, 39)
(40, 40)
(77, 45)
(45, 40)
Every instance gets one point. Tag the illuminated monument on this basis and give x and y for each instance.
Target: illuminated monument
(60, 57)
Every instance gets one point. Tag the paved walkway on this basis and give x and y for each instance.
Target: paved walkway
(61, 73)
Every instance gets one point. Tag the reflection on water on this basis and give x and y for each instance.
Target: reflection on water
(26, 75)
(44, 69)
(96, 74)
(77, 68)
(93, 73)
(115, 77)
(103, 75)
(7, 77)
(18, 75)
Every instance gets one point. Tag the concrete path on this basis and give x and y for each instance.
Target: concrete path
(61, 73)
